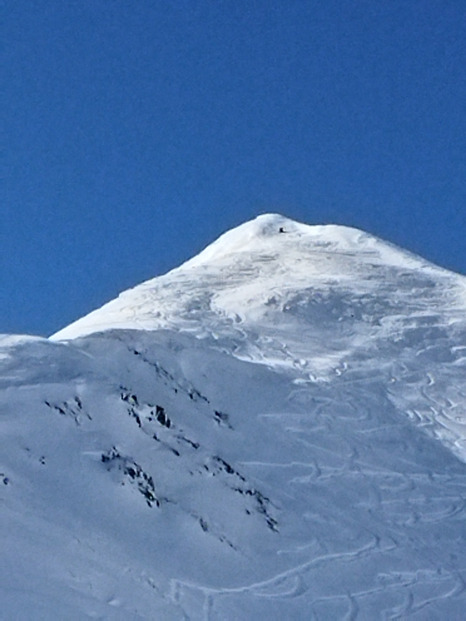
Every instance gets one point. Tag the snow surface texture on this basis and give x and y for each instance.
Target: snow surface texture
(276, 430)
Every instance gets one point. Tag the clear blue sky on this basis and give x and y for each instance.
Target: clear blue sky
(137, 131)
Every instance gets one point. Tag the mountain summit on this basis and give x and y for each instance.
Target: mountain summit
(247, 271)
(275, 429)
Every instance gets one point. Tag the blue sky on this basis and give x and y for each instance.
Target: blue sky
(137, 131)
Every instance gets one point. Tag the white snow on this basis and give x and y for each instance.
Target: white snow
(275, 429)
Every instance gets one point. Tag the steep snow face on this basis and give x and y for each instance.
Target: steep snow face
(150, 476)
(271, 431)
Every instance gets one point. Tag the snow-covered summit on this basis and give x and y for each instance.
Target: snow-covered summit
(277, 234)
(257, 272)
(265, 233)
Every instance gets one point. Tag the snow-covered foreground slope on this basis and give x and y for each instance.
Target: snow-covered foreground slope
(276, 429)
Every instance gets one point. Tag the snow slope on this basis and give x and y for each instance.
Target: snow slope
(275, 429)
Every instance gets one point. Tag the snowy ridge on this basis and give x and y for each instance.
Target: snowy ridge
(242, 268)
(257, 277)
(275, 429)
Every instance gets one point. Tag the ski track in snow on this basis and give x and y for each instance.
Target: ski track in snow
(297, 583)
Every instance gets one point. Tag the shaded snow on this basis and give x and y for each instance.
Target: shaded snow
(275, 429)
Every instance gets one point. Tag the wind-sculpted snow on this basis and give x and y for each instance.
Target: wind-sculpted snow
(274, 430)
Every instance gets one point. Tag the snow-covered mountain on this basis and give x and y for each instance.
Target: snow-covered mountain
(276, 429)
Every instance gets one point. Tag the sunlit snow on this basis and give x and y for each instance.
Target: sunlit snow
(276, 429)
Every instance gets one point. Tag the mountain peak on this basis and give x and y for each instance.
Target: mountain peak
(265, 275)
(274, 231)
